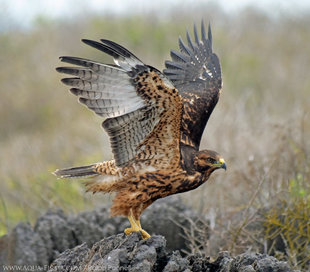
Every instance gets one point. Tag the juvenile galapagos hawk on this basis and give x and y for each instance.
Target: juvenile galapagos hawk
(154, 119)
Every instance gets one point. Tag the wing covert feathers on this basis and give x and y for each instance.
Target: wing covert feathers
(151, 135)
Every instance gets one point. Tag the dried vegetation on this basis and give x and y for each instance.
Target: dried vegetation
(261, 125)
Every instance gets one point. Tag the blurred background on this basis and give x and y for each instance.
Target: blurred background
(261, 124)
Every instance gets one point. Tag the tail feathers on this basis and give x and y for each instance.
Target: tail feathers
(75, 172)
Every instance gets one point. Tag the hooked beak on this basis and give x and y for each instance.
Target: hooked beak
(221, 164)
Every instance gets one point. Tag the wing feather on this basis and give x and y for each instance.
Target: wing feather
(178, 57)
(122, 57)
(128, 131)
(174, 65)
(190, 41)
(142, 107)
(97, 67)
(196, 35)
(185, 49)
(196, 72)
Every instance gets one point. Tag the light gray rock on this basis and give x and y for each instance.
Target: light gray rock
(176, 263)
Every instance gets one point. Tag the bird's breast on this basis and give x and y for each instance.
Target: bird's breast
(160, 184)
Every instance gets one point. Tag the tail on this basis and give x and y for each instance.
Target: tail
(105, 176)
(76, 172)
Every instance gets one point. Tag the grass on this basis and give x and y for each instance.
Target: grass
(261, 124)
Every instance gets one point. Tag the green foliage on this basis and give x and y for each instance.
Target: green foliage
(298, 188)
(41, 191)
(287, 224)
(287, 229)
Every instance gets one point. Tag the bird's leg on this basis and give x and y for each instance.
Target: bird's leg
(145, 235)
(135, 227)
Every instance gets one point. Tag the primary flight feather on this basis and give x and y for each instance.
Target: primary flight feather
(154, 120)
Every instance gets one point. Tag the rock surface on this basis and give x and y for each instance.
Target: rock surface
(54, 232)
(88, 242)
(132, 254)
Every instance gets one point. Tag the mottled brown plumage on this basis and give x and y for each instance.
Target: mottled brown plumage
(154, 120)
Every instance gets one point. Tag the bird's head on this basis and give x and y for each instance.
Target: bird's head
(208, 161)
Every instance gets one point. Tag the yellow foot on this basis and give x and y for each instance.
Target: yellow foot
(136, 227)
(129, 231)
(144, 234)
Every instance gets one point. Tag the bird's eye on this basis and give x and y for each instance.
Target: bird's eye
(210, 160)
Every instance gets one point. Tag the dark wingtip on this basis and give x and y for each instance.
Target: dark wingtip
(69, 80)
(74, 91)
(62, 69)
(106, 41)
(64, 58)
(196, 35)
(82, 100)
(210, 33)
(64, 80)
(203, 31)
(88, 42)
(92, 43)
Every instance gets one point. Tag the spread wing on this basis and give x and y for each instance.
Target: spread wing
(142, 108)
(196, 72)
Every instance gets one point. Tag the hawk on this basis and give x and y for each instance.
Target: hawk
(154, 119)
